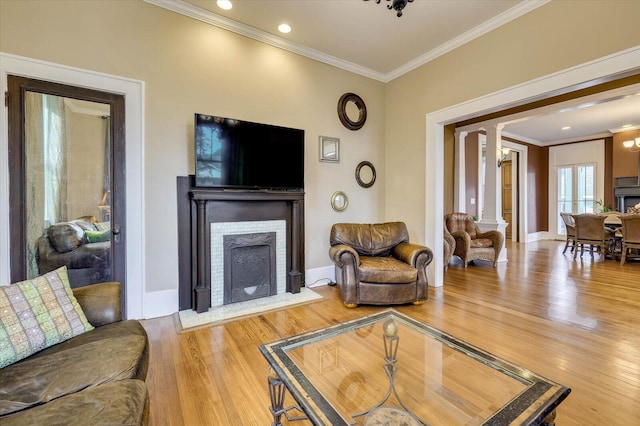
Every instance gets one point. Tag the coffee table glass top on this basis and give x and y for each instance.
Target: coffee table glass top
(339, 375)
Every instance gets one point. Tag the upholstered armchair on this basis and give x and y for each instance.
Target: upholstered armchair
(471, 244)
(376, 265)
(448, 249)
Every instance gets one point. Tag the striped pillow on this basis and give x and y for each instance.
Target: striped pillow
(36, 314)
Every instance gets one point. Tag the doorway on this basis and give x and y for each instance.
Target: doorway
(576, 181)
(67, 177)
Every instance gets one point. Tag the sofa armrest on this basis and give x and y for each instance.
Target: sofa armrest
(101, 303)
(413, 254)
(342, 254)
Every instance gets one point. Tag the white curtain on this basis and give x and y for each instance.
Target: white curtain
(55, 159)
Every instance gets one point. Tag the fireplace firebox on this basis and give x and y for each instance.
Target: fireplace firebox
(249, 266)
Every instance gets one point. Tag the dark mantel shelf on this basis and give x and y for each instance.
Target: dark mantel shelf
(199, 207)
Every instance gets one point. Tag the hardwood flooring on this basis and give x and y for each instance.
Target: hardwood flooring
(576, 322)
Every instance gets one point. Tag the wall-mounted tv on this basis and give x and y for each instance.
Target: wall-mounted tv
(238, 154)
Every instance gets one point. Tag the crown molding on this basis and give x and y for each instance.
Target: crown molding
(522, 138)
(487, 26)
(219, 21)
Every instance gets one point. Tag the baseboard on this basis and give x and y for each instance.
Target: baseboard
(320, 276)
(538, 236)
(160, 303)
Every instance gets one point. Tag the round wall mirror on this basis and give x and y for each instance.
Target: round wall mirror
(339, 201)
(365, 174)
(352, 111)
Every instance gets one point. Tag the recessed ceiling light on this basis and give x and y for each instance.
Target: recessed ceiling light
(284, 28)
(224, 4)
(566, 128)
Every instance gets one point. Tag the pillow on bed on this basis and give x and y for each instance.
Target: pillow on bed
(65, 236)
(36, 314)
(98, 236)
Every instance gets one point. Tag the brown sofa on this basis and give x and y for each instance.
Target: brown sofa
(94, 378)
(375, 264)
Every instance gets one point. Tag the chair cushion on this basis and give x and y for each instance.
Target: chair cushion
(385, 270)
(481, 243)
(124, 402)
(376, 239)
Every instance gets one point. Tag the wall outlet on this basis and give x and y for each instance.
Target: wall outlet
(472, 201)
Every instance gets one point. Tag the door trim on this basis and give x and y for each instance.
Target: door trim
(133, 91)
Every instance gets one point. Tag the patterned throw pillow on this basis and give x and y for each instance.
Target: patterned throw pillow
(36, 314)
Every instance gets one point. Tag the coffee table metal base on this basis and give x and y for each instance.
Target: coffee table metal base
(277, 391)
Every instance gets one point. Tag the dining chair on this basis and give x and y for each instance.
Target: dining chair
(570, 229)
(590, 230)
(630, 237)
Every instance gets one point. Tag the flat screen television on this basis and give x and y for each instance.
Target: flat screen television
(238, 154)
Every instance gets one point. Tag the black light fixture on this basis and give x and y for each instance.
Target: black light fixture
(396, 5)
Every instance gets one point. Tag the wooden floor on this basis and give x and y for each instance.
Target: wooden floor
(576, 322)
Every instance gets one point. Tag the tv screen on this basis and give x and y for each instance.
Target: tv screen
(239, 154)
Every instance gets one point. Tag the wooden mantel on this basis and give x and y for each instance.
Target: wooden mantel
(199, 207)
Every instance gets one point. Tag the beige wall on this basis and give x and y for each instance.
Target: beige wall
(85, 154)
(556, 36)
(189, 66)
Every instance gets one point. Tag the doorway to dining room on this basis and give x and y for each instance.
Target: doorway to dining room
(577, 173)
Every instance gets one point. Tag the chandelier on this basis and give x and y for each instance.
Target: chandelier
(396, 5)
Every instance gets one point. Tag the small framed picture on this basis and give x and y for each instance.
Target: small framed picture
(329, 149)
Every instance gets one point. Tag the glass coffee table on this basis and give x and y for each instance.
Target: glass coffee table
(388, 369)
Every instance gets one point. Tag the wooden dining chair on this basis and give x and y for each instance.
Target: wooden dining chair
(630, 237)
(590, 230)
(570, 229)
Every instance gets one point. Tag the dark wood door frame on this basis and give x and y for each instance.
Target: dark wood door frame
(17, 88)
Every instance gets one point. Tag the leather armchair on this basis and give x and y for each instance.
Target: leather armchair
(375, 264)
(471, 244)
(448, 249)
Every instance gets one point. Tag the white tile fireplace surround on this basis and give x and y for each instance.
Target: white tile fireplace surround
(220, 229)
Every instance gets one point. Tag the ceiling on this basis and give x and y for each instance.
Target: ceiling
(368, 39)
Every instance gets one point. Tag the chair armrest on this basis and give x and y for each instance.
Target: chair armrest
(101, 303)
(414, 254)
(496, 238)
(342, 254)
(463, 240)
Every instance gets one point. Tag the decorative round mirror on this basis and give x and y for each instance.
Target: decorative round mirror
(339, 201)
(352, 111)
(365, 174)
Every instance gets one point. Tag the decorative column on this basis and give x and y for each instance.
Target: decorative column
(295, 277)
(202, 291)
(492, 212)
(460, 191)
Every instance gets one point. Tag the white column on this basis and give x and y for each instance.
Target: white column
(492, 214)
(460, 179)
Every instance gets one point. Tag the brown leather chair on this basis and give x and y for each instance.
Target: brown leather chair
(570, 229)
(471, 244)
(630, 236)
(590, 230)
(376, 265)
(449, 247)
